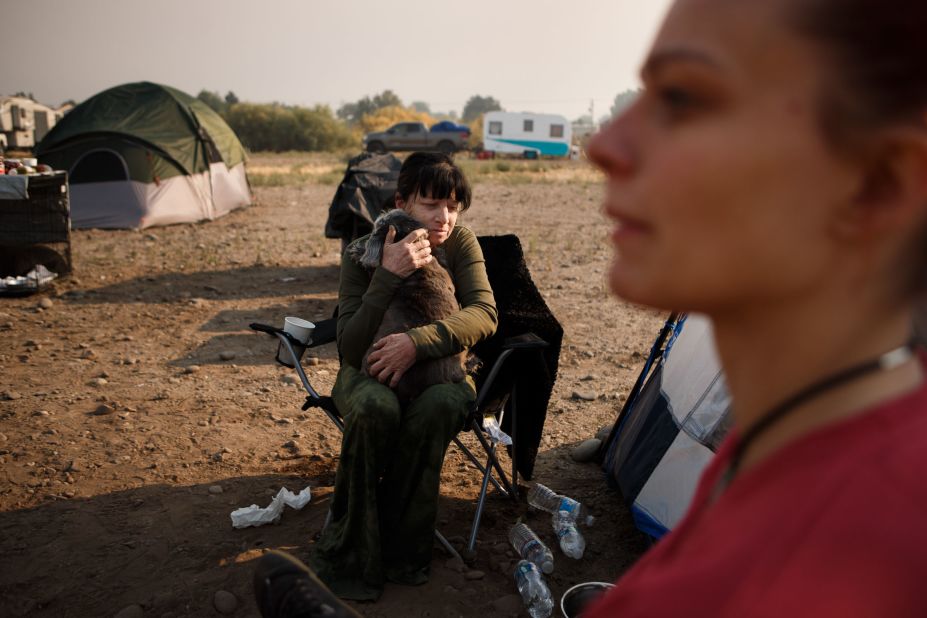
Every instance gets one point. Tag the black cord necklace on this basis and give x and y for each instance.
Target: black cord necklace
(887, 361)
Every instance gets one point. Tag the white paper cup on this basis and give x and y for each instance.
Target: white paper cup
(299, 329)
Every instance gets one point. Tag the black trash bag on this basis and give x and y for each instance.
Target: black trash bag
(367, 189)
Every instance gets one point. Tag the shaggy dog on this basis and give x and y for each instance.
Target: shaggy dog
(425, 296)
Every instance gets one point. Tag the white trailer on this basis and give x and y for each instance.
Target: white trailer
(24, 122)
(527, 134)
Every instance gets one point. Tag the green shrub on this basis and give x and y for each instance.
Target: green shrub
(278, 128)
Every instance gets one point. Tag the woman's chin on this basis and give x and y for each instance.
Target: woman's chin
(621, 283)
(633, 286)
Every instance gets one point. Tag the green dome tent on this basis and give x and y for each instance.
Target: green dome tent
(144, 154)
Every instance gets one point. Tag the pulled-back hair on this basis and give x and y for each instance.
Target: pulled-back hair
(434, 175)
(878, 50)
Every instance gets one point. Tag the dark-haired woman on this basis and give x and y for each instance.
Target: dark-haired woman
(386, 489)
(773, 175)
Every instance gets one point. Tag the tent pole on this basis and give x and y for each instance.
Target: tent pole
(655, 350)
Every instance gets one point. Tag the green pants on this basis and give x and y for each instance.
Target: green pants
(386, 490)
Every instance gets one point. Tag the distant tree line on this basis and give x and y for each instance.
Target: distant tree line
(277, 127)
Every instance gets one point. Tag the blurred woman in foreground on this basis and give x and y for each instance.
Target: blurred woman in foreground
(773, 175)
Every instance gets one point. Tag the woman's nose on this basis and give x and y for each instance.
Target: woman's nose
(610, 149)
(443, 214)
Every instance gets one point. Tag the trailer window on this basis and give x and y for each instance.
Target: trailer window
(495, 127)
(529, 126)
(556, 130)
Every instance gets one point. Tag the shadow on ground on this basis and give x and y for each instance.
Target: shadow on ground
(250, 347)
(174, 548)
(170, 548)
(231, 284)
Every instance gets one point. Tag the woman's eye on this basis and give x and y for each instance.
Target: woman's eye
(677, 99)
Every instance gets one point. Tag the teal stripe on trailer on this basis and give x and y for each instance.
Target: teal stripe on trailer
(554, 149)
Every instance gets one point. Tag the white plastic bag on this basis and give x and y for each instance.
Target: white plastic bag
(255, 516)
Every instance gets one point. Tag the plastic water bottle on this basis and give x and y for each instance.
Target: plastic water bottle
(530, 547)
(571, 541)
(544, 498)
(534, 592)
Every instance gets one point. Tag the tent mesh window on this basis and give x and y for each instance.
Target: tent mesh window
(35, 232)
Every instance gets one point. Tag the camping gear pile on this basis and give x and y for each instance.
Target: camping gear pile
(35, 232)
(144, 154)
(23, 167)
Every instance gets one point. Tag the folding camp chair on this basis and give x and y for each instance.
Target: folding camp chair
(290, 348)
(498, 381)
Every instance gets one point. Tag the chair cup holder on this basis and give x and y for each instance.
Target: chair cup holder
(283, 355)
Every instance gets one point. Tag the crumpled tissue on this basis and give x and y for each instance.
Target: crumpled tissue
(256, 516)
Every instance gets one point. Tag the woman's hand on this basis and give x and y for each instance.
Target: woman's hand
(391, 358)
(408, 255)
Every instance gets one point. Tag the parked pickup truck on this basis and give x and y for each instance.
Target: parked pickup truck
(415, 136)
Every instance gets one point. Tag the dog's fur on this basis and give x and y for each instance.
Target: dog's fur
(423, 297)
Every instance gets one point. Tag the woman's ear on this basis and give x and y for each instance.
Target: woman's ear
(893, 193)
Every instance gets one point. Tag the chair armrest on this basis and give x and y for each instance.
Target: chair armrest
(323, 333)
(527, 341)
(264, 328)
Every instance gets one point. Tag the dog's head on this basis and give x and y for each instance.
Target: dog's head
(370, 253)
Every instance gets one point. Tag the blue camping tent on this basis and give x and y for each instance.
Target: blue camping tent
(670, 425)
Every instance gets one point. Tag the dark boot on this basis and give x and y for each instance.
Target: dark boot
(286, 588)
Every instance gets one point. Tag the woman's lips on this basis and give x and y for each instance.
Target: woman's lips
(627, 228)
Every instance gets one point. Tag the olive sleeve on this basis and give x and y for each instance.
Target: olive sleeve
(362, 301)
(477, 318)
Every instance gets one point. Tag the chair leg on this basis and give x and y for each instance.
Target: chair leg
(514, 409)
(487, 475)
(479, 466)
(447, 546)
(490, 450)
(492, 462)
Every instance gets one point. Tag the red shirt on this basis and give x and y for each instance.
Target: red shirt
(832, 525)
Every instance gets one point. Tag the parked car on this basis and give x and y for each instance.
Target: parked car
(415, 136)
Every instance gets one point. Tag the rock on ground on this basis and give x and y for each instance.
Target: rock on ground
(586, 450)
(225, 602)
(584, 395)
(131, 611)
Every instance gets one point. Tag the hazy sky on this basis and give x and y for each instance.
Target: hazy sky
(531, 55)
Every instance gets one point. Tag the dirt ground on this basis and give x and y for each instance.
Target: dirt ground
(137, 411)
